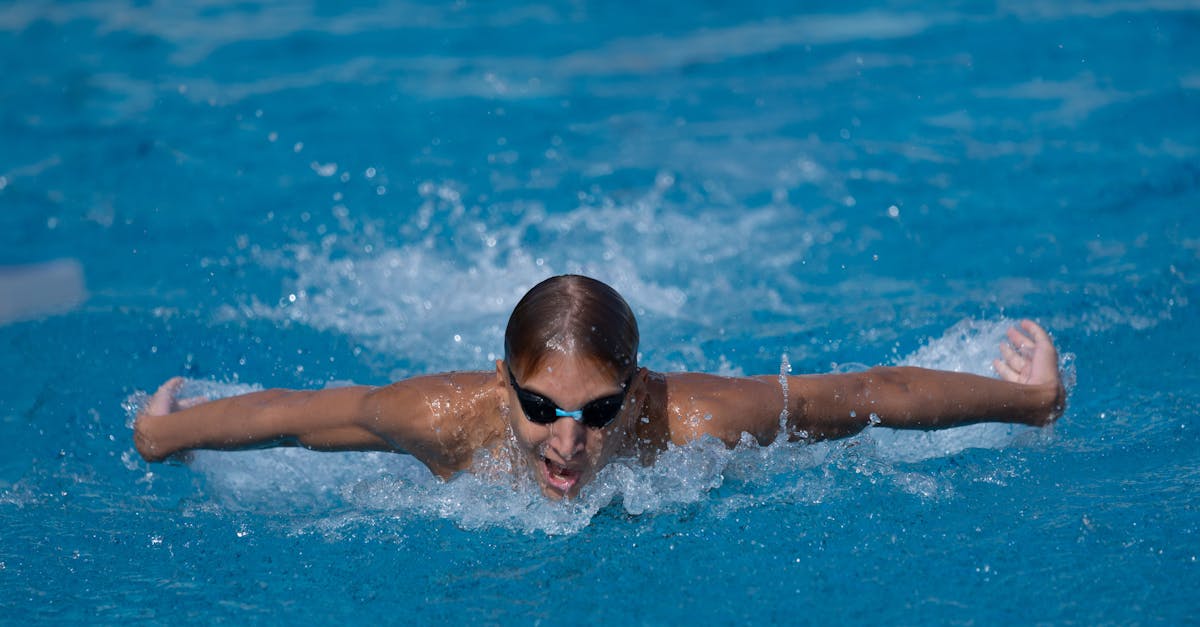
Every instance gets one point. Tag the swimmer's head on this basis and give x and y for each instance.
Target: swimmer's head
(572, 341)
(572, 315)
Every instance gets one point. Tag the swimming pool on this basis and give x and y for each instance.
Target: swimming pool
(277, 194)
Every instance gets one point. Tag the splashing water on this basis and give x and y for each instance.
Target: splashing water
(336, 493)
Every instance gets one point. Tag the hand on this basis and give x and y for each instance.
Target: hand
(1029, 358)
(164, 401)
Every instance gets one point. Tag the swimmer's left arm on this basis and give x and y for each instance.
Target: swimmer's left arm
(1029, 392)
(838, 405)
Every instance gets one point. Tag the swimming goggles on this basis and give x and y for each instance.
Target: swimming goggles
(594, 414)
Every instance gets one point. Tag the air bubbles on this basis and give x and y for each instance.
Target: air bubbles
(298, 146)
(893, 211)
(324, 169)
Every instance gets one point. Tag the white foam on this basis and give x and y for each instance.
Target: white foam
(969, 346)
(334, 494)
(446, 305)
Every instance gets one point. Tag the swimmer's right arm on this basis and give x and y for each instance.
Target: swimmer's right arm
(395, 418)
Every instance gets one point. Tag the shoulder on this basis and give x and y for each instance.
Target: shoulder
(444, 386)
(722, 407)
(442, 419)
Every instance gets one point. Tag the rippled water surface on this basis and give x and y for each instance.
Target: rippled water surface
(288, 195)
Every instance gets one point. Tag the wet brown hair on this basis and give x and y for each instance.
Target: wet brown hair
(576, 315)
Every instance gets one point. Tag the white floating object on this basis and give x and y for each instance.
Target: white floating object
(37, 290)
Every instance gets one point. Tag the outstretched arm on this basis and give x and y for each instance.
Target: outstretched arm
(839, 405)
(402, 417)
(326, 419)
(1029, 392)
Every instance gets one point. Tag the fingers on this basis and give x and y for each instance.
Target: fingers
(1005, 371)
(1036, 332)
(1029, 355)
(188, 403)
(1023, 343)
(1012, 358)
(1014, 366)
(162, 402)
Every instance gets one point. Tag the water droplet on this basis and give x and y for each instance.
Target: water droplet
(324, 169)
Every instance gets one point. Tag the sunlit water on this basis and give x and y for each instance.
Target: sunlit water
(277, 195)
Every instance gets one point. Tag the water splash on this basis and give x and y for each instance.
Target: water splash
(340, 493)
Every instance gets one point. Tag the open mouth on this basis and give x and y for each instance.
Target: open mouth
(559, 477)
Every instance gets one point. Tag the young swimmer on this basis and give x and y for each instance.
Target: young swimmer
(569, 396)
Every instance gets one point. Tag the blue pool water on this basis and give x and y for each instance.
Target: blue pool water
(290, 195)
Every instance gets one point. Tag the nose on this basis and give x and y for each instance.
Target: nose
(567, 437)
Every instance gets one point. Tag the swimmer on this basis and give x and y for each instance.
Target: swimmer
(569, 396)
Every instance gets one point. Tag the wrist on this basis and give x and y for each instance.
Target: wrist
(1050, 400)
(143, 439)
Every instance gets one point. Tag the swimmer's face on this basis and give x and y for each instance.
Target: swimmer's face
(565, 455)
